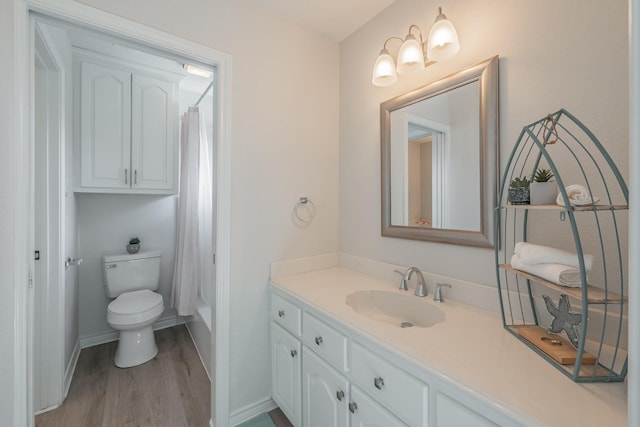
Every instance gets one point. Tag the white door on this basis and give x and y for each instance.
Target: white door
(105, 126)
(48, 271)
(365, 412)
(154, 133)
(286, 372)
(326, 393)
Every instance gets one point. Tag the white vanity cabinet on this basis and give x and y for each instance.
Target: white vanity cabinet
(349, 380)
(286, 356)
(325, 393)
(127, 139)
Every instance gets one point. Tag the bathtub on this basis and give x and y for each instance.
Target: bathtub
(200, 327)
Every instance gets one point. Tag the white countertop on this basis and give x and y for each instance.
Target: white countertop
(472, 348)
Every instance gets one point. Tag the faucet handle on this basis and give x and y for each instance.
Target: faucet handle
(403, 281)
(437, 295)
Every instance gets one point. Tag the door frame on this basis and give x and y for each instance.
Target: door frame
(49, 273)
(86, 16)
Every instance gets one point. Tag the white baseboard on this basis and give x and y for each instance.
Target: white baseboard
(109, 336)
(251, 411)
(71, 368)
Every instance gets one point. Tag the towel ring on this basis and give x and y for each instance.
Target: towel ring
(304, 204)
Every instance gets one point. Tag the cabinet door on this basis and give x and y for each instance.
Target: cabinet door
(105, 126)
(286, 373)
(325, 393)
(365, 412)
(154, 133)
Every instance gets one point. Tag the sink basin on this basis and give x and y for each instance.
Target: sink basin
(395, 308)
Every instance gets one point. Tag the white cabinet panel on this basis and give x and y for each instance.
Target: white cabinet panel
(325, 393)
(367, 413)
(286, 372)
(395, 389)
(105, 126)
(286, 314)
(451, 413)
(325, 341)
(154, 133)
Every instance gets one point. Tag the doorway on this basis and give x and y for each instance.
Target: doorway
(44, 72)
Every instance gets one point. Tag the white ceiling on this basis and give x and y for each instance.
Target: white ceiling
(334, 18)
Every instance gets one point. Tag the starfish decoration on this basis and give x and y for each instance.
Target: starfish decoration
(563, 318)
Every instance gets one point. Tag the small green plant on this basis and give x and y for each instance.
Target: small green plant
(543, 175)
(520, 182)
(134, 241)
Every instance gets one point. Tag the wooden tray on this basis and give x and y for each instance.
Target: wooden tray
(555, 346)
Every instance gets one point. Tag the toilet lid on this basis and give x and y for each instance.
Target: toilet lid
(135, 302)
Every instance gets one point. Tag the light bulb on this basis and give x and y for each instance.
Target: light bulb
(410, 56)
(443, 41)
(384, 70)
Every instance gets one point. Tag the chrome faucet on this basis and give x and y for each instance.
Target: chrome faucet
(437, 297)
(421, 288)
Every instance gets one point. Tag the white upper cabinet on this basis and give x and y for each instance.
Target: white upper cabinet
(128, 135)
(105, 126)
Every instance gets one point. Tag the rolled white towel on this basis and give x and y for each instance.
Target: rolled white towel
(559, 274)
(530, 253)
(578, 195)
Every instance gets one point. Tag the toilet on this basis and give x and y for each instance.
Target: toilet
(132, 279)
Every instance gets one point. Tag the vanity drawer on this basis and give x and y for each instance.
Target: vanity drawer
(325, 341)
(395, 389)
(286, 314)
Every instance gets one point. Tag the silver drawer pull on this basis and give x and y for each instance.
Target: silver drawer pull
(281, 313)
(126, 172)
(353, 407)
(294, 352)
(318, 340)
(378, 382)
(111, 266)
(340, 395)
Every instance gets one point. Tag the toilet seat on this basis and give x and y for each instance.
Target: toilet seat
(134, 307)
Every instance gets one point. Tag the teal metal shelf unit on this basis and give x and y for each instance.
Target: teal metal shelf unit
(561, 143)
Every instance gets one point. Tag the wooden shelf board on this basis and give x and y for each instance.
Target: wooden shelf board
(595, 295)
(574, 208)
(553, 345)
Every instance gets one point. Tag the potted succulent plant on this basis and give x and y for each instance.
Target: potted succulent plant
(134, 245)
(519, 191)
(543, 188)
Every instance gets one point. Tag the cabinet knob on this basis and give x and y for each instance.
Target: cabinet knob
(353, 407)
(340, 395)
(318, 340)
(378, 382)
(294, 352)
(281, 313)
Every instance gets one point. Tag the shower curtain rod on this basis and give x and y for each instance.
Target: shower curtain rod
(204, 93)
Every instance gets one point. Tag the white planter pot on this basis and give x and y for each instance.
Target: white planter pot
(543, 193)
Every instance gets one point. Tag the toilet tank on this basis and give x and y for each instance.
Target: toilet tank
(130, 272)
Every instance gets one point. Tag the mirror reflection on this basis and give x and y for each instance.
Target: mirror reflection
(434, 145)
(439, 151)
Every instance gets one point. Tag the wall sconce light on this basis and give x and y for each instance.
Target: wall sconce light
(414, 55)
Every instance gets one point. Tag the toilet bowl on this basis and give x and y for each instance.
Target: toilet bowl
(131, 280)
(133, 314)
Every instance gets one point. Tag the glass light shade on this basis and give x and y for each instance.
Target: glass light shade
(443, 41)
(410, 56)
(384, 70)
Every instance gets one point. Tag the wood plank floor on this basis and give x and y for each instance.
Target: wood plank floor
(279, 418)
(172, 390)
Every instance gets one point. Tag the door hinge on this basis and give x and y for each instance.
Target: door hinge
(214, 259)
(36, 255)
(30, 281)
